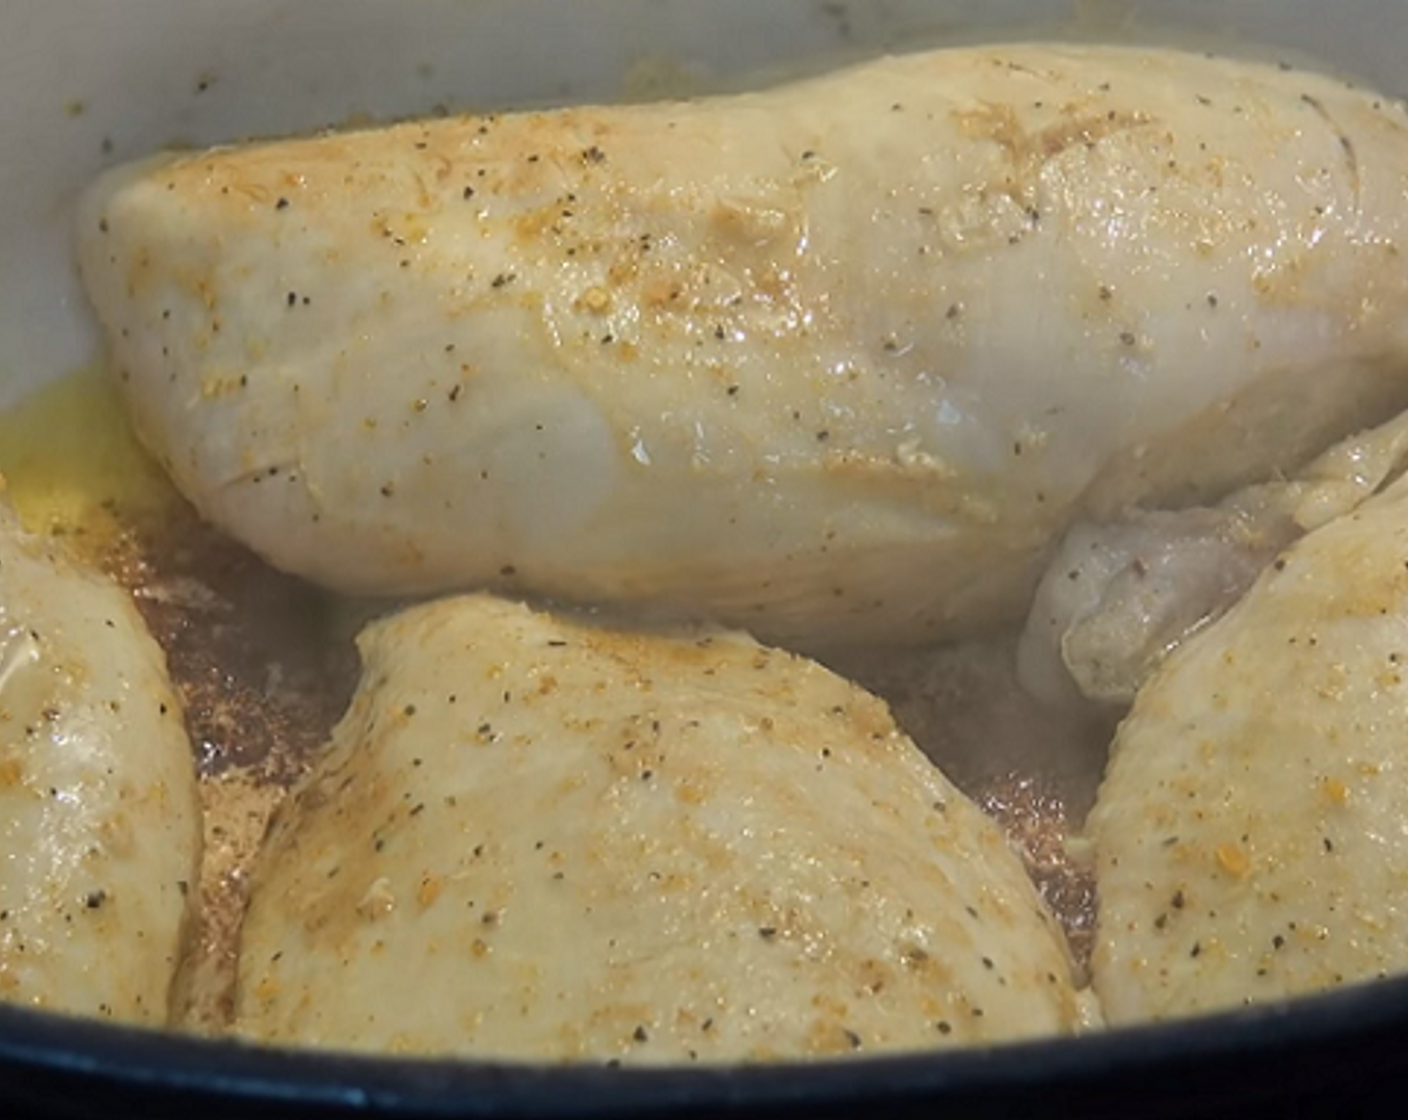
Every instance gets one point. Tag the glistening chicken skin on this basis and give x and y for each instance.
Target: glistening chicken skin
(834, 362)
(100, 835)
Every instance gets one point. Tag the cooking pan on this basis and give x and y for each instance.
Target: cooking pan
(1341, 1054)
(85, 83)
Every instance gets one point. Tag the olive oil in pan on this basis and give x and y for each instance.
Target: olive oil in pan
(265, 667)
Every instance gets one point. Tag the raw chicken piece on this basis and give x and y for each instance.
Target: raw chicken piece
(535, 838)
(99, 818)
(1249, 834)
(830, 362)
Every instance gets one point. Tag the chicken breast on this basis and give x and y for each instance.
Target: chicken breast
(833, 362)
(99, 818)
(1119, 597)
(1250, 831)
(533, 838)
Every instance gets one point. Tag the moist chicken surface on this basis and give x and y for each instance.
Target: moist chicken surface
(1119, 597)
(1250, 832)
(833, 362)
(99, 819)
(535, 838)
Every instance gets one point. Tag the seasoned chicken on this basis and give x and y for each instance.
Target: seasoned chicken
(833, 362)
(1118, 598)
(99, 819)
(533, 838)
(1250, 834)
